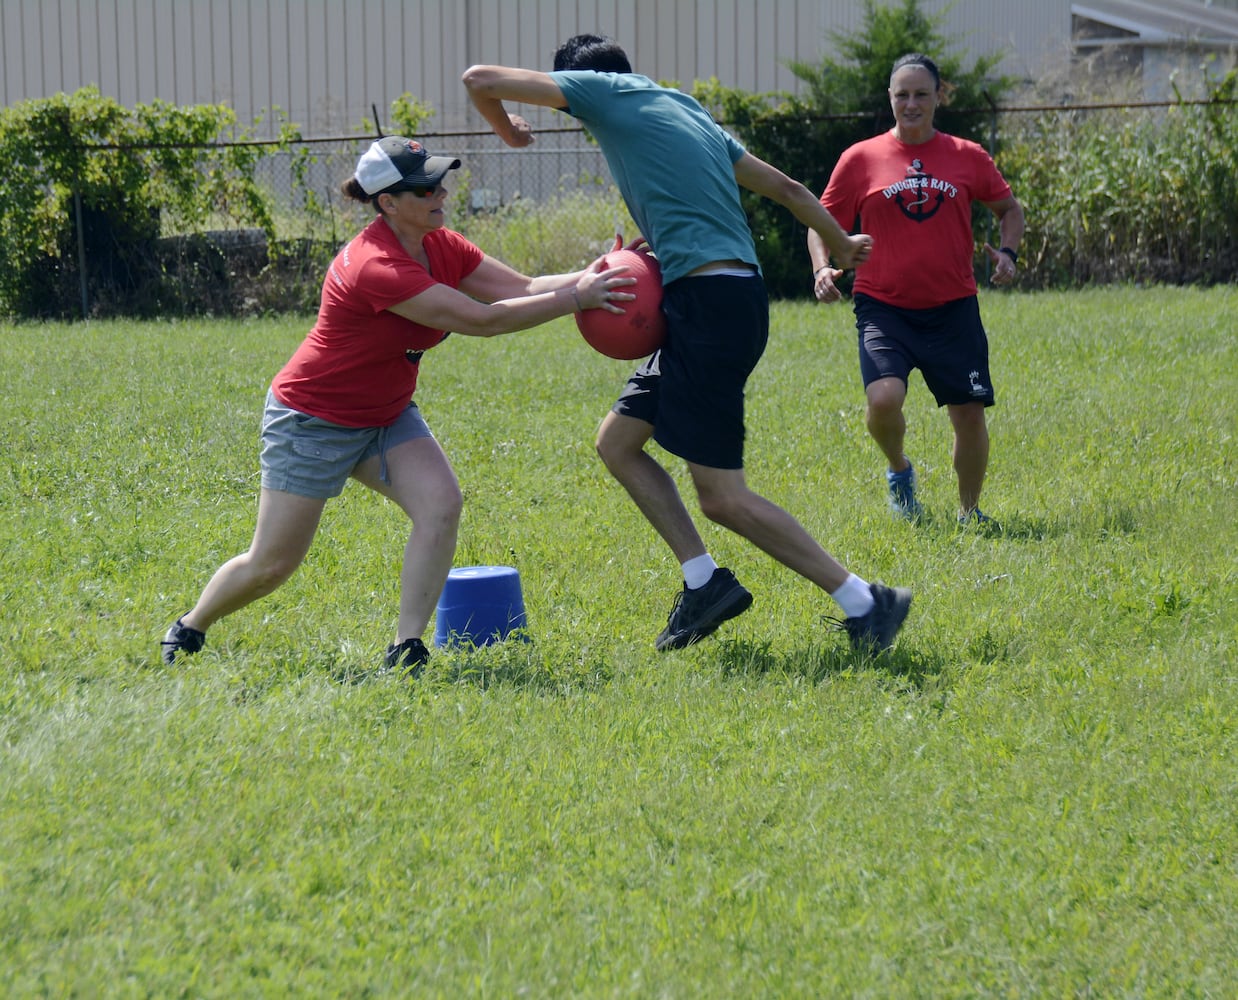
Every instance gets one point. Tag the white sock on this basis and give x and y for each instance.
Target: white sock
(697, 571)
(855, 597)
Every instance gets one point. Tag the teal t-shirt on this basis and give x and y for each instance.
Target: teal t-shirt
(673, 165)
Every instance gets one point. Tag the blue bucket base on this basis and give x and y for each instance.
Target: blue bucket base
(480, 605)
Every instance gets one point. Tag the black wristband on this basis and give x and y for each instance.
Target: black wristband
(1009, 253)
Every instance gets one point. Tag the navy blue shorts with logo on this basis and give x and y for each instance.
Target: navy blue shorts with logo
(947, 343)
(692, 390)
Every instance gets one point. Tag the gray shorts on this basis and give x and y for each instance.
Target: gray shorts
(312, 457)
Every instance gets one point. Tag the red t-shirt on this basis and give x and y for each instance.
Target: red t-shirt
(915, 202)
(358, 365)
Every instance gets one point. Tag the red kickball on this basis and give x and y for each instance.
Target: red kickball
(641, 329)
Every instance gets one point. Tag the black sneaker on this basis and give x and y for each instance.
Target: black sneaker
(407, 658)
(180, 639)
(875, 631)
(697, 613)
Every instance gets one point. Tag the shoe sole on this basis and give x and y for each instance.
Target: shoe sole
(730, 606)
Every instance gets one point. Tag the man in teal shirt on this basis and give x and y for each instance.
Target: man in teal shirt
(680, 173)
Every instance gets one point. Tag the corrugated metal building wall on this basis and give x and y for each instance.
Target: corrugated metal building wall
(324, 62)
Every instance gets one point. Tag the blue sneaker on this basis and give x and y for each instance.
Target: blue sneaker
(903, 502)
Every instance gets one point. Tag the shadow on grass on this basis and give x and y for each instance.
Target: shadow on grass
(905, 662)
(510, 664)
(1020, 527)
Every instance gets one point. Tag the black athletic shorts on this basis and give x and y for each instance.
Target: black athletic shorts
(692, 390)
(947, 343)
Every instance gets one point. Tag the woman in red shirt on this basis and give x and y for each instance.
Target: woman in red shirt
(912, 189)
(342, 406)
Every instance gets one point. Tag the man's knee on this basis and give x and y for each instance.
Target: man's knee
(723, 506)
(607, 448)
(619, 441)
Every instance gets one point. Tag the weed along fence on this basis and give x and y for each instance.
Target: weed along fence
(1130, 192)
(551, 207)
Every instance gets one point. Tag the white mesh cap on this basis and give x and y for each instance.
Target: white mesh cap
(395, 160)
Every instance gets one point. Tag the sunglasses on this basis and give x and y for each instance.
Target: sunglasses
(421, 190)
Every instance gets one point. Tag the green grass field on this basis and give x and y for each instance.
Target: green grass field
(1034, 794)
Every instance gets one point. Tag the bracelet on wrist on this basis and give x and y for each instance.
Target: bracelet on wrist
(576, 299)
(820, 269)
(1009, 253)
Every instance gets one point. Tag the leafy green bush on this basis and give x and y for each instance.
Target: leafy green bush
(84, 173)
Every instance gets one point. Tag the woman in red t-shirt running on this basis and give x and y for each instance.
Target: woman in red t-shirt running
(912, 189)
(342, 406)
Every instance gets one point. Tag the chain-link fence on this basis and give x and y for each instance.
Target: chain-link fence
(552, 207)
(547, 208)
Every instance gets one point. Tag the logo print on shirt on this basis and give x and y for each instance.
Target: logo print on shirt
(921, 194)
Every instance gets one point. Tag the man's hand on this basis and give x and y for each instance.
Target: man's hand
(855, 250)
(638, 245)
(519, 133)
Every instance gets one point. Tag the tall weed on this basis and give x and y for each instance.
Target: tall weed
(1128, 195)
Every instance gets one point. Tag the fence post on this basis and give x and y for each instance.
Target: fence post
(81, 251)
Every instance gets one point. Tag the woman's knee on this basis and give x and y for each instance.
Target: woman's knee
(884, 399)
(450, 503)
(449, 514)
(269, 570)
(968, 417)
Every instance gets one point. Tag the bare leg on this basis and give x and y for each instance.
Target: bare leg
(425, 487)
(726, 499)
(874, 615)
(620, 443)
(286, 527)
(971, 452)
(885, 420)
